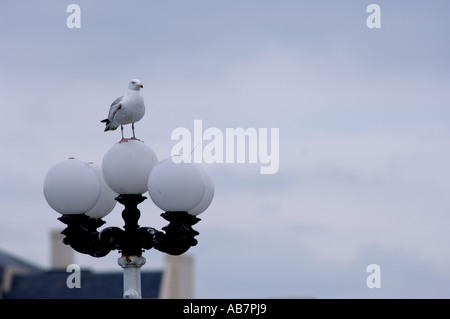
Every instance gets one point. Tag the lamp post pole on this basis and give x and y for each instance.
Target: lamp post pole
(131, 266)
(131, 260)
(84, 195)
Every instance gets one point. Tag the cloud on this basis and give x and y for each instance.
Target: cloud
(362, 117)
(266, 268)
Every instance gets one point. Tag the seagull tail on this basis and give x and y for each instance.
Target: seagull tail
(106, 121)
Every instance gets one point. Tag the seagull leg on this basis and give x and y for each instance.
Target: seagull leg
(134, 137)
(123, 139)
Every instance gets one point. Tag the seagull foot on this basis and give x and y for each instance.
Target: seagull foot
(123, 140)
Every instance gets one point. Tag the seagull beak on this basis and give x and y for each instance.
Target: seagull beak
(140, 85)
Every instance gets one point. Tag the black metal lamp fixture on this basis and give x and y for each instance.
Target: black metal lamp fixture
(84, 193)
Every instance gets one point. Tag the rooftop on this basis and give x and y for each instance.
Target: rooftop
(52, 285)
(20, 279)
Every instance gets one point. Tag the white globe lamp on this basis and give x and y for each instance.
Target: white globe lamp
(106, 201)
(176, 187)
(127, 165)
(72, 187)
(207, 195)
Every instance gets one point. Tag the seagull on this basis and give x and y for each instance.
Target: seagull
(126, 109)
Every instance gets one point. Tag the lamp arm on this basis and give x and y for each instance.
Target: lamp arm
(179, 234)
(82, 235)
(175, 239)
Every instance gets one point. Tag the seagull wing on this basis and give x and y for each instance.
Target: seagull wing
(115, 106)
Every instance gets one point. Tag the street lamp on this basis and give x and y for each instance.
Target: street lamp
(84, 194)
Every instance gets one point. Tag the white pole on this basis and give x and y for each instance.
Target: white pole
(131, 266)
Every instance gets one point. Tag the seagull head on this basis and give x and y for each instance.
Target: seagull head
(135, 84)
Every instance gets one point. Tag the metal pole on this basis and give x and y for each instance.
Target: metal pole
(131, 266)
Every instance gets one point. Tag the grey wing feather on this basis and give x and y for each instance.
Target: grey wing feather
(115, 106)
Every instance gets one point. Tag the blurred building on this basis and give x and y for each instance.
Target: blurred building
(20, 279)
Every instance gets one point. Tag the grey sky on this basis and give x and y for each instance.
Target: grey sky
(363, 117)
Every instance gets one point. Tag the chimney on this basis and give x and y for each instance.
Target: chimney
(177, 280)
(61, 255)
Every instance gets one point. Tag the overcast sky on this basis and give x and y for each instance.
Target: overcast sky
(363, 116)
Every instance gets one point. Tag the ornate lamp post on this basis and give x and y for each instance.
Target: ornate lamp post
(84, 194)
